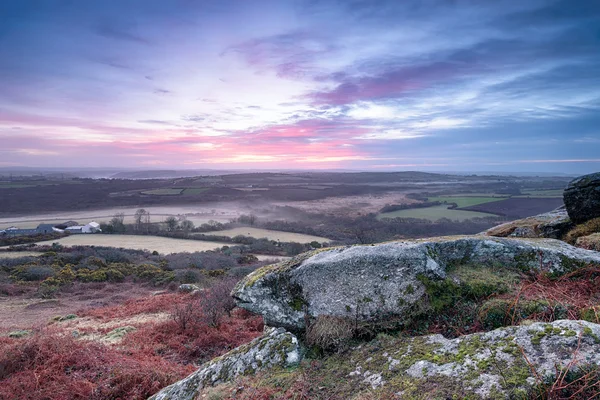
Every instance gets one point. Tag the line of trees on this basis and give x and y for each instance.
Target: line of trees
(142, 224)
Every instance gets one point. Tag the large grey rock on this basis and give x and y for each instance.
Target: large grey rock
(582, 198)
(373, 283)
(553, 225)
(505, 363)
(276, 348)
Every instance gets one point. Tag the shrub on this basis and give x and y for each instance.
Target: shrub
(187, 314)
(217, 302)
(187, 276)
(32, 273)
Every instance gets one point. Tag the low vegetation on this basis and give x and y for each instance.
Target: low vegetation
(55, 363)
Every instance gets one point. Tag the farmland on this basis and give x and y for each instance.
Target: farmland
(197, 214)
(554, 193)
(151, 243)
(515, 207)
(465, 201)
(435, 213)
(259, 233)
(163, 192)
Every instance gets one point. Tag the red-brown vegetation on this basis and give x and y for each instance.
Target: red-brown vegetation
(53, 364)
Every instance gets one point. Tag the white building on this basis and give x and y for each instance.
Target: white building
(92, 227)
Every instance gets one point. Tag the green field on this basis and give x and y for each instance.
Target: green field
(193, 191)
(465, 201)
(163, 192)
(556, 193)
(435, 213)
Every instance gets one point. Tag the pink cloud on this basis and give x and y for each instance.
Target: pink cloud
(304, 143)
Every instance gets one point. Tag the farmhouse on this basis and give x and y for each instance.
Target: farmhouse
(92, 227)
(41, 228)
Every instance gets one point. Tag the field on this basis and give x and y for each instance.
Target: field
(194, 191)
(435, 213)
(350, 205)
(162, 245)
(465, 201)
(197, 214)
(554, 193)
(17, 254)
(163, 192)
(259, 233)
(515, 208)
(263, 257)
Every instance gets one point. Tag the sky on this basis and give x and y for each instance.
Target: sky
(444, 85)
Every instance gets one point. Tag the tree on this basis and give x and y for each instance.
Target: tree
(186, 225)
(171, 223)
(141, 219)
(247, 219)
(118, 223)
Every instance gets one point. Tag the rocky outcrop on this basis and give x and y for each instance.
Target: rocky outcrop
(582, 198)
(378, 282)
(504, 363)
(553, 225)
(276, 348)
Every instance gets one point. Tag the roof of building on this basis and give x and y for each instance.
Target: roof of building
(45, 226)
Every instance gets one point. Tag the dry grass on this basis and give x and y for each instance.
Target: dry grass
(589, 242)
(330, 333)
(585, 229)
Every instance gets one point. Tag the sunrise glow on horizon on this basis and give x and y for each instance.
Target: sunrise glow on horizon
(364, 85)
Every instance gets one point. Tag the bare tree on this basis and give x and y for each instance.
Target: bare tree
(141, 219)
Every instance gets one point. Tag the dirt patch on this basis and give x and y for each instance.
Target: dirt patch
(27, 311)
(43, 304)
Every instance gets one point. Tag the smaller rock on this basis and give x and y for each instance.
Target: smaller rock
(188, 288)
(67, 317)
(582, 198)
(552, 225)
(19, 334)
(276, 348)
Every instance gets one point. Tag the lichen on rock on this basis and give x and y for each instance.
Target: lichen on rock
(499, 364)
(275, 348)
